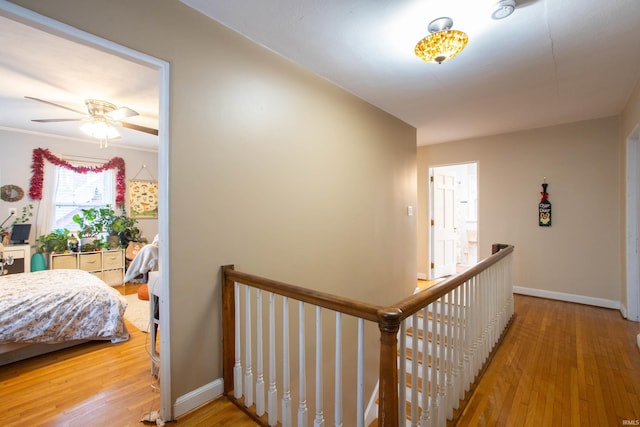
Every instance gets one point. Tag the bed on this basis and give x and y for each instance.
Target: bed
(46, 310)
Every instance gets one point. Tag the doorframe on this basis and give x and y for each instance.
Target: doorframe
(631, 241)
(31, 18)
(430, 184)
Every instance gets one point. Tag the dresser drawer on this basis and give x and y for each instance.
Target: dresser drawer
(91, 262)
(113, 277)
(64, 261)
(112, 260)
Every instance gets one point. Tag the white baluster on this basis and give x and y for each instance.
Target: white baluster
(442, 357)
(237, 367)
(433, 368)
(286, 384)
(273, 391)
(319, 419)
(450, 351)
(402, 375)
(415, 364)
(260, 380)
(360, 375)
(248, 373)
(458, 349)
(426, 351)
(302, 373)
(338, 373)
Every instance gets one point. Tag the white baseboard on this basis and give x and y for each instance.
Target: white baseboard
(561, 296)
(423, 276)
(198, 397)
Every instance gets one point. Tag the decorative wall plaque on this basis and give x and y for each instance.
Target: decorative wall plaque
(544, 208)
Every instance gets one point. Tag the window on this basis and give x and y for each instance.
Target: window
(75, 191)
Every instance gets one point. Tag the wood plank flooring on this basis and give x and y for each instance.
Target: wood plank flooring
(561, 364)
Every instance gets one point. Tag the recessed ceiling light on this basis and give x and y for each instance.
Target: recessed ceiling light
(503, 9)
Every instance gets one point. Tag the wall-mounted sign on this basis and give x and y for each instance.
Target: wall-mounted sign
(544, 208)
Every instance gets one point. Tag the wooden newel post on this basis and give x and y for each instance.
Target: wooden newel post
(228, 329)
(389, 324)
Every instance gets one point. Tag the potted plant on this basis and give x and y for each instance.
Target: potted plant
(93, 223)
(56, 241)
(125, 228)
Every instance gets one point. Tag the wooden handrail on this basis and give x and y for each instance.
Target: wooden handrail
(343, 305)
(415, 302)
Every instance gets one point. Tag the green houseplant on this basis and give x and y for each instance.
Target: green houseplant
(125, 228)
(56, 241)
(93, 221)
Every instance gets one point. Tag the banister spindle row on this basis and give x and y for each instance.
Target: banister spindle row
(433, 346)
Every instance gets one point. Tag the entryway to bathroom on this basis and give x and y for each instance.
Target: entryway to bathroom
(454, 218)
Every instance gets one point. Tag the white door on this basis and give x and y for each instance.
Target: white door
(443, 229)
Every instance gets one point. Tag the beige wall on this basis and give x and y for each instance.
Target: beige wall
(272, 169)
(580, 253)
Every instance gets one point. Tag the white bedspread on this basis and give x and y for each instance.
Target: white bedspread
(54, 306)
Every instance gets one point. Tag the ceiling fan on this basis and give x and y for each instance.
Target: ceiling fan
(102, 113)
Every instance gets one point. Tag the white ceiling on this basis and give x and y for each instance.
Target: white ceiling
(38, 64)
(551, 62)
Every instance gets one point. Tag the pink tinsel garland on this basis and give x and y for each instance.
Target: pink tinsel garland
(39, 156)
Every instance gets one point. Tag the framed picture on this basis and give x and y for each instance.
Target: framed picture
(143, 199)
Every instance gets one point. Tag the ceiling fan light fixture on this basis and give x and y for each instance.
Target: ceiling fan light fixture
(503, 8)
(443, 43)
(101, 130)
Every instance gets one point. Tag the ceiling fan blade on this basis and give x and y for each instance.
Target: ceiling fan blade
(121, 113)
(139, 128)
(56, 105)
(55, 120)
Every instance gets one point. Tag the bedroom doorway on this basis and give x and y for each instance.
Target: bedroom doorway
(57, 29)
(453, 230)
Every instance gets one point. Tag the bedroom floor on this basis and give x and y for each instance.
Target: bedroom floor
(128, 288)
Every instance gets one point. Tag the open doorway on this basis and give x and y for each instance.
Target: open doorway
(453, 191)
(159, 84)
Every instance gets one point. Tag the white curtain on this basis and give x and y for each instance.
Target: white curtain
(45, 207)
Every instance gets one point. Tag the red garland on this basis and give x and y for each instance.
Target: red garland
(40, 154)
(545, 196)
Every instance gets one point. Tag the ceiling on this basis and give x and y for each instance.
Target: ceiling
(41, 65)
(551, 62)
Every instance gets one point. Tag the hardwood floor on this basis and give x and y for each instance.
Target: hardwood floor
(561, 364)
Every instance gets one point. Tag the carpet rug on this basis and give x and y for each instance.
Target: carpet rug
(137, 312)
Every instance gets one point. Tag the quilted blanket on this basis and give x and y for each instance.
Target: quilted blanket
(54, 306)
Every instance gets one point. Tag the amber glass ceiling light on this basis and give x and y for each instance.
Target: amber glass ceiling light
(443, 43)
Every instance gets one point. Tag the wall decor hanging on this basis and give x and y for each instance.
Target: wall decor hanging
(544, 208)
(143, 196)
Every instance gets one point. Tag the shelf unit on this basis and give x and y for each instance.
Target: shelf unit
(107, 265)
